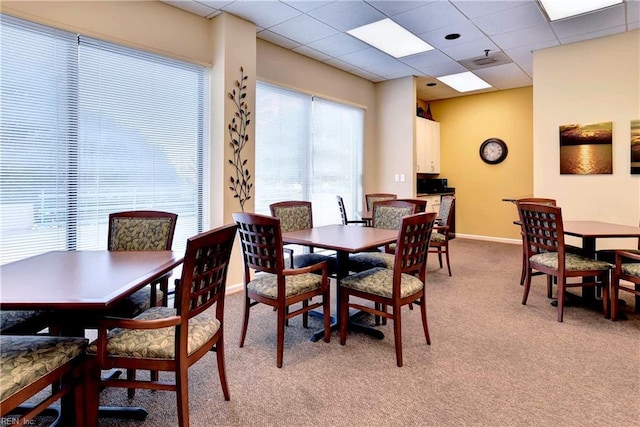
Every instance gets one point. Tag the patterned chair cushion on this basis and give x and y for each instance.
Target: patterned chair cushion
(15, 318)
(25, 359)
(632, 269)
(573, 262)
(266, 285)
(140, 234)
(438, 237)
(158, 343)
(372, 200)
(390, 217)
(366, 260)
(379, 281)
(293, 218)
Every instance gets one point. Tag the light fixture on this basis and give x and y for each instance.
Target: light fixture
(560, 9)
(390, 38)
(464, 82)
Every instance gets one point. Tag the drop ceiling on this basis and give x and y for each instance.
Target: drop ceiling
(497, 38)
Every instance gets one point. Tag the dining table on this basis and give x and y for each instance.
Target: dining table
(344, 240)
(589, 232)
(80, 285)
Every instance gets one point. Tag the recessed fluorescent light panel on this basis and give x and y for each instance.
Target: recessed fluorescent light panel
(390, 38)
(560, 9)
(464, 82)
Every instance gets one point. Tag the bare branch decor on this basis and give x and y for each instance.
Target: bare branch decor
(241, 180)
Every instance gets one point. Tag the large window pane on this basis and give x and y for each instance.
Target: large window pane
(90, 128)
(307, 148)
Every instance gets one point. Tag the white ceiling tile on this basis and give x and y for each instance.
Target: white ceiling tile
(523, 57)
(278, 39)
(395, 7)
(365, 58)
(593, 35)
(366, 75)
(193, 7)
(304, 29)
(340, 64)
(590, 22)
(338, 44)
(525, 37)
(262, 13)
(444, 69)
(474, 9)
(427, 18)
(466, 29)
(426, 59)
(312, 53)
(347, 15)
(216, 4)
(512, 19)
(306, 5)
(391, 69)
(472, 49)
(507, 76)
(633, 12)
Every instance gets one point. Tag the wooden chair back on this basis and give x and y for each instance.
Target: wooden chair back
(421, 204)
(141, 231)
(412, 247)
(371, 198)
(389, 213)
(261, 240)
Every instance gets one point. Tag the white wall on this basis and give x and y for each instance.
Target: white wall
(396, 136)
(588, 82)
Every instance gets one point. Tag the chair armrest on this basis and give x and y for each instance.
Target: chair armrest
(324, 266)
(124, 323)
(622, 255)
(357, 221)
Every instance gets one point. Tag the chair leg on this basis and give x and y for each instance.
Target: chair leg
(344, 314)
(222, 372)
(446, 254)
(280, 335)
(527, 286)
(397, 333)
(523, 273)
(425, 325)
(440, 256)
(182, 394)
(131, 376)
(305, 315)
(326, 309)
(615, 283)
(245, 321)
(605, 295)
(562, 281)
(376, 318)
(549, 286)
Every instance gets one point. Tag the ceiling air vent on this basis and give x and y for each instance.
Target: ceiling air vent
(485, 61)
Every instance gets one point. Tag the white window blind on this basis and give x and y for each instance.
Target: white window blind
(307, 148)
(90, 128)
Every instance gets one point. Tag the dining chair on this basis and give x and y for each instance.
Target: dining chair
(298, 215)
(539, 200)
(386, 214)
(275, 285)
(172, 339)
(441, 235)
(142, 231)
(390, 289)
(24, 322)
(627, 268)
(343, 214)
(28, 365)
(421, 204)
(371, 198)
(543, 230)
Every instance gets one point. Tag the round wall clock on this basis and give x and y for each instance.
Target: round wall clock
(493, 151)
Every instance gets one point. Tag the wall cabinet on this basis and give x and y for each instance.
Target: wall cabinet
(427, 146)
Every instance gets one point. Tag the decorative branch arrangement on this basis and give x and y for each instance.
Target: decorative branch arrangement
(240, 181)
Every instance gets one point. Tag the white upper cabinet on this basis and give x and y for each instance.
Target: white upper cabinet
(427, 146)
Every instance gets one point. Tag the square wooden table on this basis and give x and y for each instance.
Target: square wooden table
(345, 240)
(78, 283)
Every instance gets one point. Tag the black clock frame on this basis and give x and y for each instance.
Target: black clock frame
(500, 159)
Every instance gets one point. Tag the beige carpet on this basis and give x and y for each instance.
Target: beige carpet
(492, 362)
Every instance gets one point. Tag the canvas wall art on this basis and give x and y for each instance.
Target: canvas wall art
(586, 149)
(635, 146)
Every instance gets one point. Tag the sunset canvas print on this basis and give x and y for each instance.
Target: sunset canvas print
(586, 149)
(635, 146)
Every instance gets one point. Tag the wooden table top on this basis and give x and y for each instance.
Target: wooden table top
(79, 280)
(347, 238)
(599, 229)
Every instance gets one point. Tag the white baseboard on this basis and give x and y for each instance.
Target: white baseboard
(489, 238)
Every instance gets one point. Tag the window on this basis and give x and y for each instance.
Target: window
(307, 148)
(90, 128)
